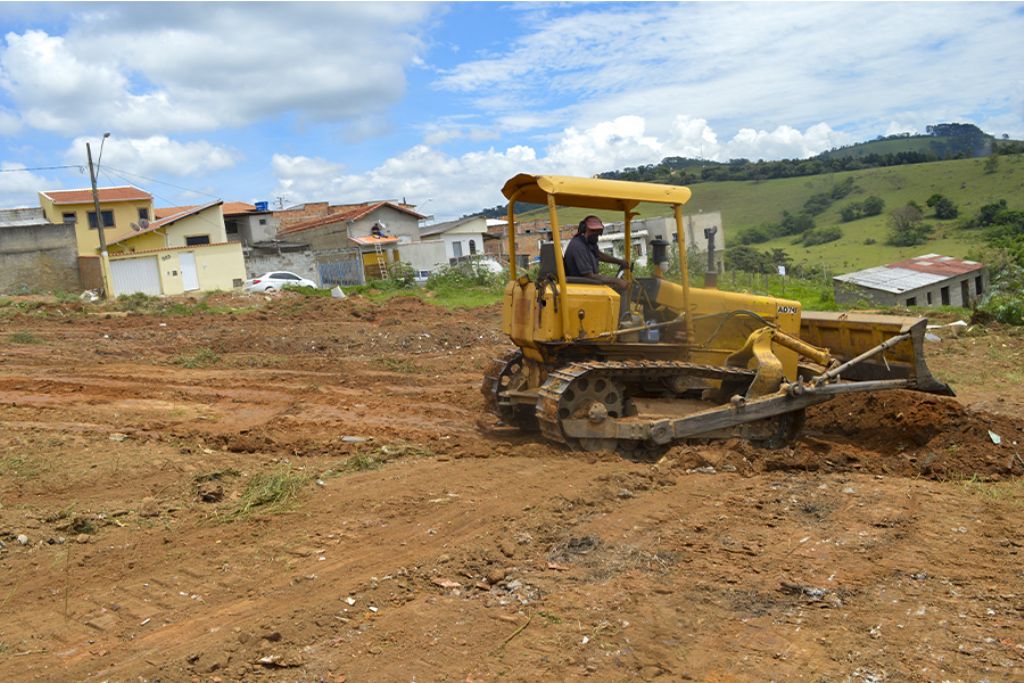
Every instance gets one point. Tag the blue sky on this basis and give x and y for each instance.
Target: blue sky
(439, 103)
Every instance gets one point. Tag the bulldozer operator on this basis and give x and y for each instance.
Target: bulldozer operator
(582, 256)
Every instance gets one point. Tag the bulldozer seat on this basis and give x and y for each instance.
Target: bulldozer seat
(548, 268)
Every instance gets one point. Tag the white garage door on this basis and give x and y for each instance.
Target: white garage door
(136, 275)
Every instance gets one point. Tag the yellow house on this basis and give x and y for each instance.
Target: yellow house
(120, 207)
(185, 251)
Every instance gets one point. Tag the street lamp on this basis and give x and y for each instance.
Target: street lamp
(104, 258)
(99, 157)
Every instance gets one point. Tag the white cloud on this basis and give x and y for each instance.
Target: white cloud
(154, 156)
(9, 123)
(140, 71)
(784, 142)
(605, 146)
(452, 185)
(19, 187)
(855, 65)
(448, 186)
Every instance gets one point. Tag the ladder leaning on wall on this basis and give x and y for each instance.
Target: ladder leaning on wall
(382, 261)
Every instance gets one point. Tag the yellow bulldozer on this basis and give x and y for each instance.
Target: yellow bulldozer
(673, 363)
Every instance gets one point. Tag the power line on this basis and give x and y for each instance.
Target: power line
(105, 170)
(154, 180)
(81, 169)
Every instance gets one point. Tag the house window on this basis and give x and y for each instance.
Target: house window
(108, 219)
(977, 285)
(263, 221)
(193, 240)
(70, 218)
(472, 246)
(929, 295)
(912, 301)
(143, 213)
(457, 249)
(944, 293)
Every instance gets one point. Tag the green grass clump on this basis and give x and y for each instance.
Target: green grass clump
(469, 297)
(200, 359)
(1010, 491)
(269, 492)
(308, 291)
(399, 365)
(23, 337)
(22, 466)
(361, 462)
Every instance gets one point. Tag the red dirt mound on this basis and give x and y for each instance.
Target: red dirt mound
(920, 433)
(899, 433)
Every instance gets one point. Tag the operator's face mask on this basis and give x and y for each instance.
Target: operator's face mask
(592, 237)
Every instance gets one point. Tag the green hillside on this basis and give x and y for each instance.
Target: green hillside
(915, 143)
(747, 204)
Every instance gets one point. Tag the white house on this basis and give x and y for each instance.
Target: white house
(463, 237)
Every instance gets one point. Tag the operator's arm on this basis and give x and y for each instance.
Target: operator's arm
(614, 282)
(608, 258)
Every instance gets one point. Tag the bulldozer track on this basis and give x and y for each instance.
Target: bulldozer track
(564, 382)
(498, 373)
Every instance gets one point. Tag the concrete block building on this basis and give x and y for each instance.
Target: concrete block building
(928, 280)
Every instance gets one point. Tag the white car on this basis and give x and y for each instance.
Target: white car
(277, 280)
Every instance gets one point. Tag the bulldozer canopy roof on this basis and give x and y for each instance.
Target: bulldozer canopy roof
(592, 193)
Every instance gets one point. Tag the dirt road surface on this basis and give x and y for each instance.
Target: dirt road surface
(421, 544)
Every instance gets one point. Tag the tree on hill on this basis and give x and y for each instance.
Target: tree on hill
(943, 206)
(873, 205)
(906, 228)
(819, 236)
(796, 224)
(749, 260)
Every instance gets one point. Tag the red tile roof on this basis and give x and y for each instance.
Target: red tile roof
(230, 209)
(164, 212)
(350, 212)
(236, 208)
(129, 193)
(937, 264)
(183, 212)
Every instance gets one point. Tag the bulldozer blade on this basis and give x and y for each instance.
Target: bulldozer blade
(848, 335)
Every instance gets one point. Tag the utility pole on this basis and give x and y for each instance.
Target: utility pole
(104, 257)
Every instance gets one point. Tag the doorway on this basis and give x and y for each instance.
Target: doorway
(189, 274)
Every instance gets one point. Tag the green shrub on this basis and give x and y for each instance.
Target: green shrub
(1005, 308)
(873, 205)
(820, 236)
(465, 274)
(400, 275)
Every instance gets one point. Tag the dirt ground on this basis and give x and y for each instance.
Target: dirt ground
(423, 545)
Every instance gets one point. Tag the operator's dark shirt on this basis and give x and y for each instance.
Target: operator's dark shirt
(580, 257)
